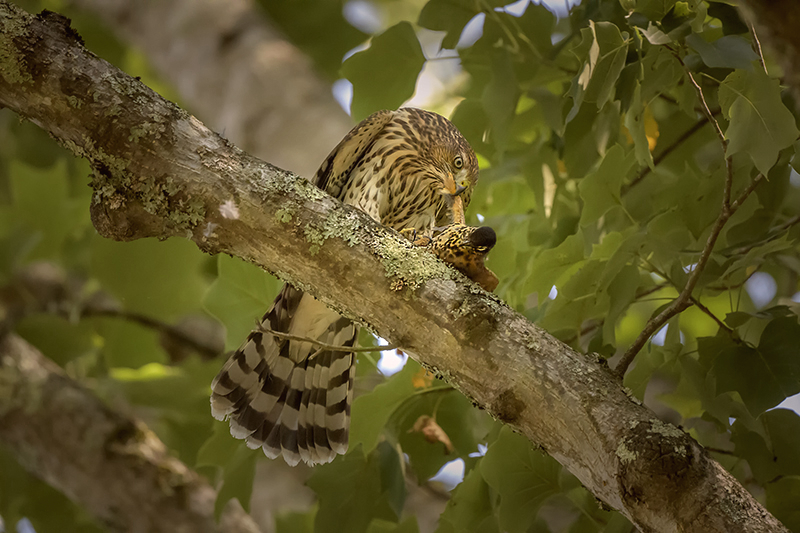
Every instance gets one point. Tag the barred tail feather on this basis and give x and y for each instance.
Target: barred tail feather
(288, 397)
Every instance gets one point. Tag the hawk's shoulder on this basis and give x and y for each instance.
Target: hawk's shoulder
(341, 161)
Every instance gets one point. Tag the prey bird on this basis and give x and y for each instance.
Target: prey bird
(408, 169)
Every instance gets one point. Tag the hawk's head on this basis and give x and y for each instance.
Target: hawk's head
(450, 157)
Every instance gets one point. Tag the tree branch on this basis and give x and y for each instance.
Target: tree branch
(109, 463)
(159, 172)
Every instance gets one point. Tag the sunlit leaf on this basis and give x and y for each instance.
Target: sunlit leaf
(385, 74)
(605, 59)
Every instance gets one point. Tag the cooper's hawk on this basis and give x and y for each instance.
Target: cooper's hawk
(406, 169)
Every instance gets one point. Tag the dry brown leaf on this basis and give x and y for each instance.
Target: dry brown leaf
(432, 432)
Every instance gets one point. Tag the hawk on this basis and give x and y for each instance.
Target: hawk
(407, 169)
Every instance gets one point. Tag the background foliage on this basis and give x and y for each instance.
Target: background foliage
(600, 174)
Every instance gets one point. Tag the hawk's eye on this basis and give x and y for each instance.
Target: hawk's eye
(458, 162)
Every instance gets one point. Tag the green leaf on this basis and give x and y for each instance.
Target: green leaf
(500, 97)
(385, 74)
(600, 189)
(593, 518)
(537, 24)
(237, 479)
(409, 525)
(58, 338)
(758, 255)
(371, 411)
(751, 446)
(180, 390)
(555, 263)
(159, 279)
(760, 124)
(450, 16)
(766, 375)
(127, 344)
(782, 498)
(295, 522)
(654, 10)
(621, 292)
(350, 492)
(770, 449)
(635, 122)
(730, 51)
(239, 296)
(606, 57)
(523, 476)
(578, 299)
(783, 428)
(219, 448)
(471, 508)
(43, 207)
(318, 28)
(393, 480)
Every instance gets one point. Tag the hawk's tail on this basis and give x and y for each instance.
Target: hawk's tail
(289, 397)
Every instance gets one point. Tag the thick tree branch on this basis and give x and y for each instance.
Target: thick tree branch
(160, 172)
(110, 464)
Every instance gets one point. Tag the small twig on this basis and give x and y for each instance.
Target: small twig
(726, 196)
(713, 317)
(325, 346)
(696, 302)
(719, 450)
(758, 48)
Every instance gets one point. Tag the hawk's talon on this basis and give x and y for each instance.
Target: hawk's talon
(416, 240)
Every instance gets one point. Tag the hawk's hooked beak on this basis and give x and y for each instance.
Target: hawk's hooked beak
(455, 189)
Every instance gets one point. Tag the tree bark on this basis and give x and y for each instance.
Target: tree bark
(159, 172)
(111, 464)
(237, 73)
